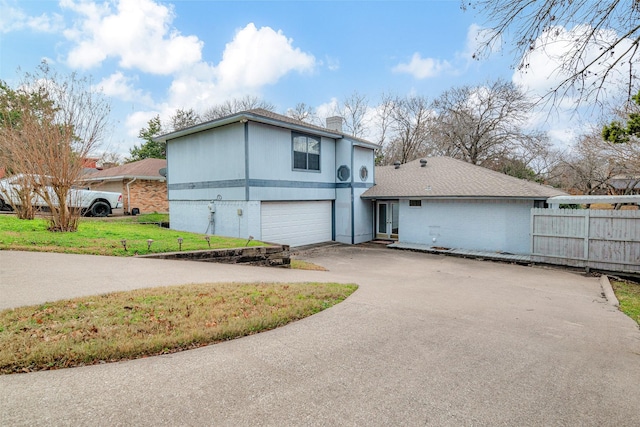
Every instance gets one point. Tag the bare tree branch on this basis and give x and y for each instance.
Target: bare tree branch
(61, 121)
(600, 41)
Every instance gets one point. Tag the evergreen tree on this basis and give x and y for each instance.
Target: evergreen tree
(149, 149)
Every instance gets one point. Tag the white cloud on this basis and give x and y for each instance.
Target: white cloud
(327, 109)
(542, 71)
(15, 19)
(198, 88)
(138, 33)
(137, 121)
(477, 38)
(257, 57)
(542, 68)
(122, 87)
(422, 68)
(333, 64)
(254, 58)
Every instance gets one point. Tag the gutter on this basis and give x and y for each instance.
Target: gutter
(424, 197)
(129, 195)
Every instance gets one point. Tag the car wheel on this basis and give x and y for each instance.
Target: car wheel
(100, 209)
(4, 206)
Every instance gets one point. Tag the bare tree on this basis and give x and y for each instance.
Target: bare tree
(184, 118)
(587, 169)
(110, 159)
(382, 121)
(304, 113)
(353, 109)
(405, 125)
(53, 137)
(600, 39)
(483, 123)
(12, 106)
(236, 105)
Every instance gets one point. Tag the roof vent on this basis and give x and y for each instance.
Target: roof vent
(423, 163)
(396, 164)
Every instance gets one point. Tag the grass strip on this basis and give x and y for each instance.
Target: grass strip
(628, 294)
(146, 322)
(105, 237)
(299, 264)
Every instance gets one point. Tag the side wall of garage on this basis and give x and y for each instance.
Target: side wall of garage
(485, 225)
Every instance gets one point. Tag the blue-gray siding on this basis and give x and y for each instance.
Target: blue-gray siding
(485, 225)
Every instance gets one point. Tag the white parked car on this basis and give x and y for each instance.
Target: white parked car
(90, 202)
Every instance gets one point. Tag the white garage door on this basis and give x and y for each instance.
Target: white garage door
(296, 223)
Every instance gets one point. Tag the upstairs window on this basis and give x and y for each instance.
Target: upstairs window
(306, 152)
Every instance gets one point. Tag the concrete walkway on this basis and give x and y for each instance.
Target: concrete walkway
(426, 340)
(468, 253)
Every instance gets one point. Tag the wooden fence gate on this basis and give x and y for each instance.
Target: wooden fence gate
(598, 239)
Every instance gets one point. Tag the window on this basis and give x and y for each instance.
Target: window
(415, 203)
(306, 152)
(344, 173)
(364, 173)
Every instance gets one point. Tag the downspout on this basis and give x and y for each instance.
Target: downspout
(353, 213)
(246, 160)
(129, 194)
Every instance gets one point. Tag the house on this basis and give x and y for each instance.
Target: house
(625, 184)
(265, 175)
(141, 183)
(447, 203)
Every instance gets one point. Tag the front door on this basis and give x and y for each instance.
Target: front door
(387, 220)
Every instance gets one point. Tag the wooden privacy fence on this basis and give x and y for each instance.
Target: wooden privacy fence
(598, 239)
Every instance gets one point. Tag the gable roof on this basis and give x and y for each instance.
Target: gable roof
(260, 115)
(148, 169)
(445, 177)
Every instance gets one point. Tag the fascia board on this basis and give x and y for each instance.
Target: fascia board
(236, 118)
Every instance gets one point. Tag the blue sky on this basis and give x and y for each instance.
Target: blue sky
(151, 57)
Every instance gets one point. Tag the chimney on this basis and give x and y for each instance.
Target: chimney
(335, 123)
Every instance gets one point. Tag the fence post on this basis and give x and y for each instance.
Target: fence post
(587, 225)
(532, 231)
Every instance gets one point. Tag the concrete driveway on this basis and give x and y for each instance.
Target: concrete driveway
(426, 340)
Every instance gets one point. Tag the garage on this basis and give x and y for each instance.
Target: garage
(296, 223)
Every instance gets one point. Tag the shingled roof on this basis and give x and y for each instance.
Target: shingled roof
(445, 177)
(148, 169)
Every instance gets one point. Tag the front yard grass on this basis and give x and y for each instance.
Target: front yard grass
(104, 237)
(628, 294)
(146, 322)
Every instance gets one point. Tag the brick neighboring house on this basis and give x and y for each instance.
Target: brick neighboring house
(141, 184)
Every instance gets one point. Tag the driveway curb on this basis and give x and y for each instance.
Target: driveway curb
(608, 291)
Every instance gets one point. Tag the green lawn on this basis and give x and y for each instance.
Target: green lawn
(139, 323)
(628, 294)
(128, 325)
(105, 236)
